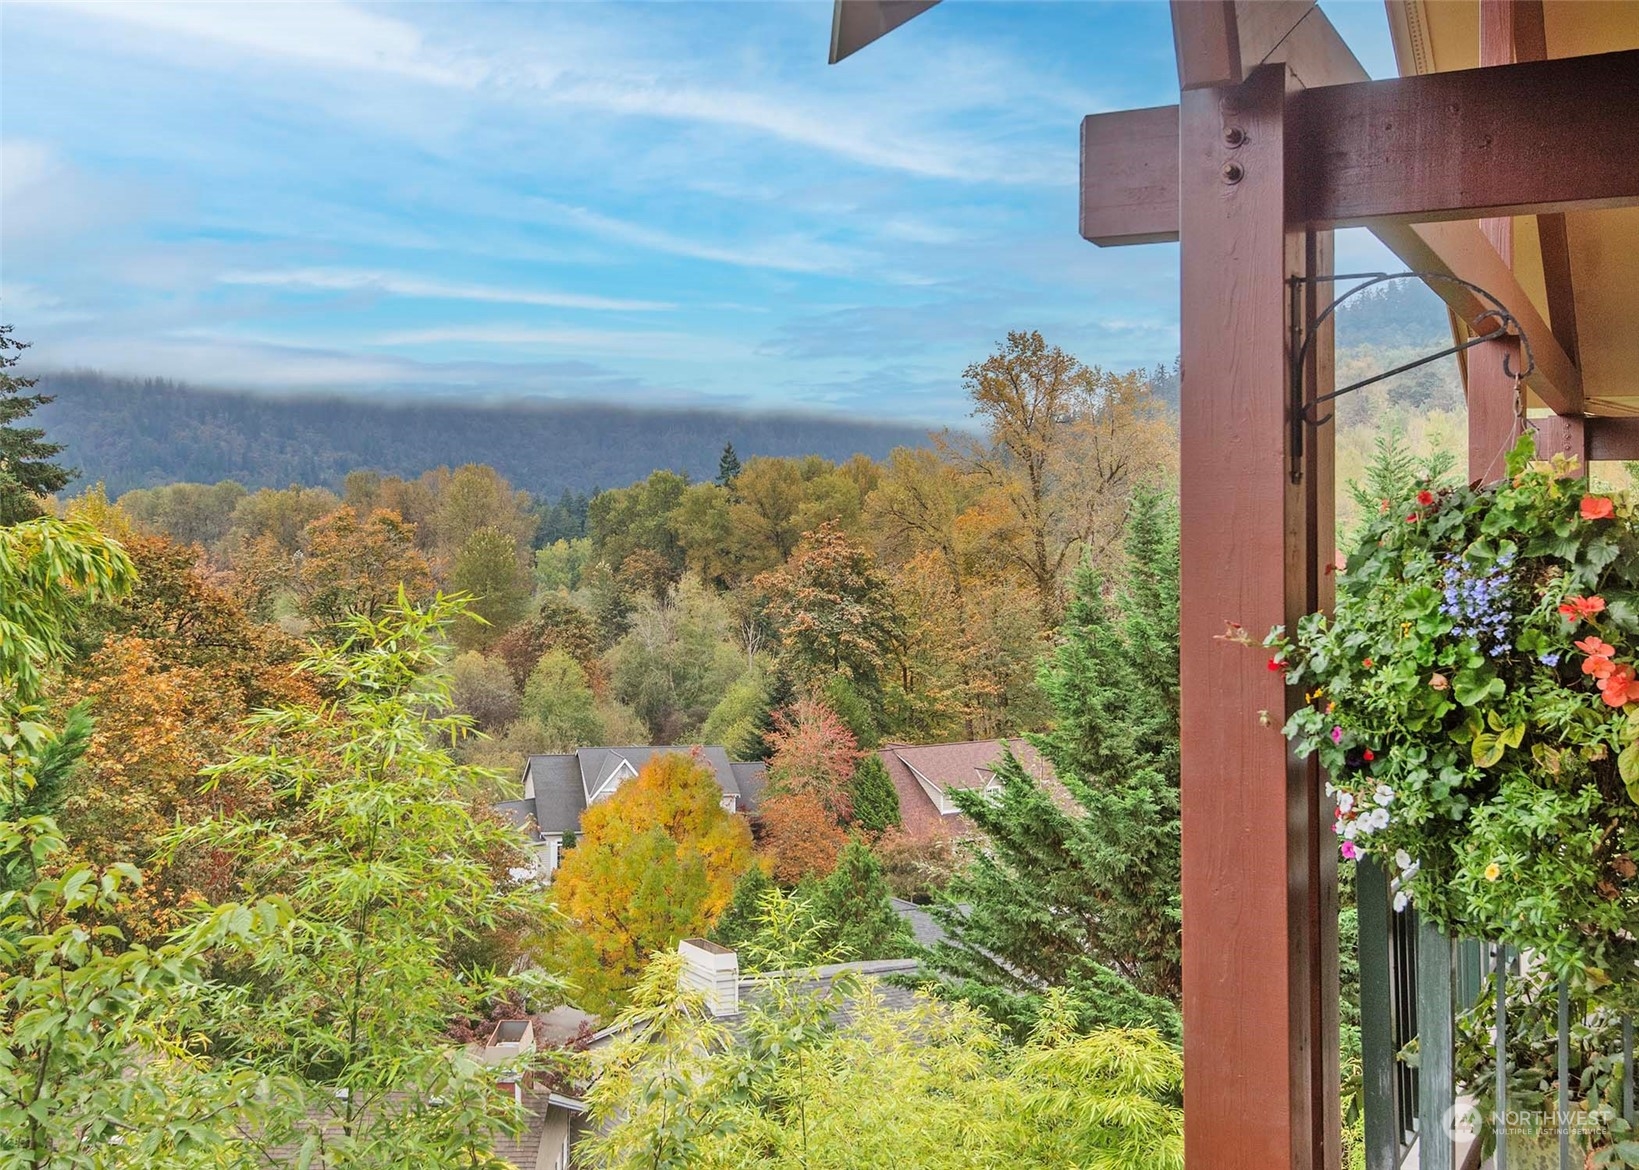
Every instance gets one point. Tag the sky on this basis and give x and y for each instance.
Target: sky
(644, 204)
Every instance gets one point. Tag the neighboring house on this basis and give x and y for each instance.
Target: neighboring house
(925, 776)
(558, 788)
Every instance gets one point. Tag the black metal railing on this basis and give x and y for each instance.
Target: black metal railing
(1414, 982)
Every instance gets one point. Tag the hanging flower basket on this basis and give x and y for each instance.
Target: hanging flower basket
(1475, 701)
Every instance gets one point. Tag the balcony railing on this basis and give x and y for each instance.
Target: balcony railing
(1414, 983)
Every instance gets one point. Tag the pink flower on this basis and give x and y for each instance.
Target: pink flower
(1337, 735)
(1350, 851)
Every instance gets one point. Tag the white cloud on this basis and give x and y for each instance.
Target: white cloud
(788, 254)
(403, 285)
(634, 343)
(320, 33)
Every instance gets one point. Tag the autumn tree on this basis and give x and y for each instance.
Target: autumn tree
(358, 565)
(799, 836)
(815, 755)
(283, 515)
(556, 624)
(191, 513)
(1064, 445)
(472, 498)
(834, 612)
(655, 862)
(168, 670)
(28, 467)
(629, 520)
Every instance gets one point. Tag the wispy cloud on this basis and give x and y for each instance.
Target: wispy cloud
(786, 254)
(318, 32)
(405, 285)
(630, 342)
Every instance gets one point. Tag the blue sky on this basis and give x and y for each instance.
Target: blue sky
(656, 203)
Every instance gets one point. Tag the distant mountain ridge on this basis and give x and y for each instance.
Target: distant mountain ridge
(133, 433)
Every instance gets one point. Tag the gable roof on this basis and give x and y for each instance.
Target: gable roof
(949, 767)
(560, 786)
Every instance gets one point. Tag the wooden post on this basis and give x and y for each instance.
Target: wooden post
(1260, 991)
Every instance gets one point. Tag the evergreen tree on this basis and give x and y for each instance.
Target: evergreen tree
(851, 907)
(876, 804)
(26, 467)
(728, 467)
(744, 916)
(1087, 898)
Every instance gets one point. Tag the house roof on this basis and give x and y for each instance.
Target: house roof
(564, 784)
(952, 767)
(924, 929)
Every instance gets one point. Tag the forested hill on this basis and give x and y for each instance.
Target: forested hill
(138, 433)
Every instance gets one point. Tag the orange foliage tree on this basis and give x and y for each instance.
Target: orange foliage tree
(800, 837)
(655, 862)
(168, 672)
(356, 565)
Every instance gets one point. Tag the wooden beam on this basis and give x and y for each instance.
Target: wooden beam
(1206, 38)
(1494, 417)
(1521, 139)
(1612, 439)
(1459, 249)
(1129, 176)
(856, 23)
(1554, 238)
(1256, 975)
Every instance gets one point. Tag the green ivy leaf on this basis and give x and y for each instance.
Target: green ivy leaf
(1627, 764)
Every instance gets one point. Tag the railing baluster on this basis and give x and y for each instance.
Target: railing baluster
(1499, 1115)
(1627, 1069)
(1564, 1102)
(1436, 1082)
(1377, 1055)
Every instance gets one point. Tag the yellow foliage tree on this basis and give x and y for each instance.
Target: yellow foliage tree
(655, 862)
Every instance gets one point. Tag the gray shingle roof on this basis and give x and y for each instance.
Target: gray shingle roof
(923, 928)
(564, 783)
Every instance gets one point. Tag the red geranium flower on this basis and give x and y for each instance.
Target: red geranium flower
(1595, 646)
(1599, 666)
(1425, 498)
(1620, 687)
(1597, 508)
(1413, 518)
(1576, 608)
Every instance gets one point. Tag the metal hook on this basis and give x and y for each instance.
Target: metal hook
(1303, 411)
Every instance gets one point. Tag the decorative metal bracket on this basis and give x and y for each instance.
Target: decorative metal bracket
(1302, 411)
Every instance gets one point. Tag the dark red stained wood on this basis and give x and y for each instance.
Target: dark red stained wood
(1562, 433)
(1494, 414)
(1129, 176)
(1206, 38)
(1533, 137)
(1556, 277)
(856, 23)
(1262, 1060)
(1612, 438)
